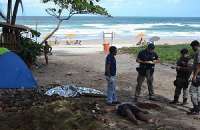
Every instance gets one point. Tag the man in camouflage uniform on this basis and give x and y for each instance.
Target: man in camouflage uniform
(195, 87)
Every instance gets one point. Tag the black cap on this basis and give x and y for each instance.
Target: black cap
(151, 46)
(184, 51)
(194, 43)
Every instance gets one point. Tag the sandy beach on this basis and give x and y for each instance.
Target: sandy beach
(83, 65)
(96, 45)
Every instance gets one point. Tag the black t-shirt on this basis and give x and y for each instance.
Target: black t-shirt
(183, 73)
(110, 59)
(146, 55)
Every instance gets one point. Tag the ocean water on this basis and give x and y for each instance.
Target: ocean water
(86, 27)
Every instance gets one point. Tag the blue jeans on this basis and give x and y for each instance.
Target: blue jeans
(111, 89)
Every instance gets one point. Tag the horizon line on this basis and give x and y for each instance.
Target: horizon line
(124, 16)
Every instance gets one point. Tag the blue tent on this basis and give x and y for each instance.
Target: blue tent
(14, 73)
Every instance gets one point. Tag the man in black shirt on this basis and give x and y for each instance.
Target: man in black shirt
(184, 70)
(147, 59)
(110, 73)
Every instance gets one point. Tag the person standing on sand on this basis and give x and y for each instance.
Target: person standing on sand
(110, 73)
(184, 71)
(47, 49)
(147, 59)
(195, 86)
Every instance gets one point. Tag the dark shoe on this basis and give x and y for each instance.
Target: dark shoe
(193, 113)
(184, 101)
(136, 99)
(198, 106)
(153, 98)
(191, 109)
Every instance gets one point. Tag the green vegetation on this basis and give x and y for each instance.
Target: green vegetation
(27, 49)
(30, 49)
(167, 53)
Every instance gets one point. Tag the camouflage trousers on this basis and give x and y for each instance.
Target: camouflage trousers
(140, 80)
(195, 94)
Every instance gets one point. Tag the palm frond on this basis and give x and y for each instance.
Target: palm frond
(21, 5)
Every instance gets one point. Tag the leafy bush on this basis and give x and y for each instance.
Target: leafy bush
(30, 50)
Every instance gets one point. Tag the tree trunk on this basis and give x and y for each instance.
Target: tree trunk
(51, 34)
(15, 12)
(9, 10)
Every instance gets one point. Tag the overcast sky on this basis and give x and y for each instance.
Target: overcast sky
(160, 8)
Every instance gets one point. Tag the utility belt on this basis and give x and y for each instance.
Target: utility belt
(143, 70)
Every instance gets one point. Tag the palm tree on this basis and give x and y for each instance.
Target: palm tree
(10, 36)
(9, 9)
(11, 14)
(17, 2)
(2, 16)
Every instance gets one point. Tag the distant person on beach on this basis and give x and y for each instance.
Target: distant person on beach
(142, 41)
(195, 87)
(184, 70)
(110, 73)
(47, 50)
(56, 41)
(147, 59)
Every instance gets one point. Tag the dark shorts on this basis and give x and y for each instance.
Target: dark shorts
(121, 110)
